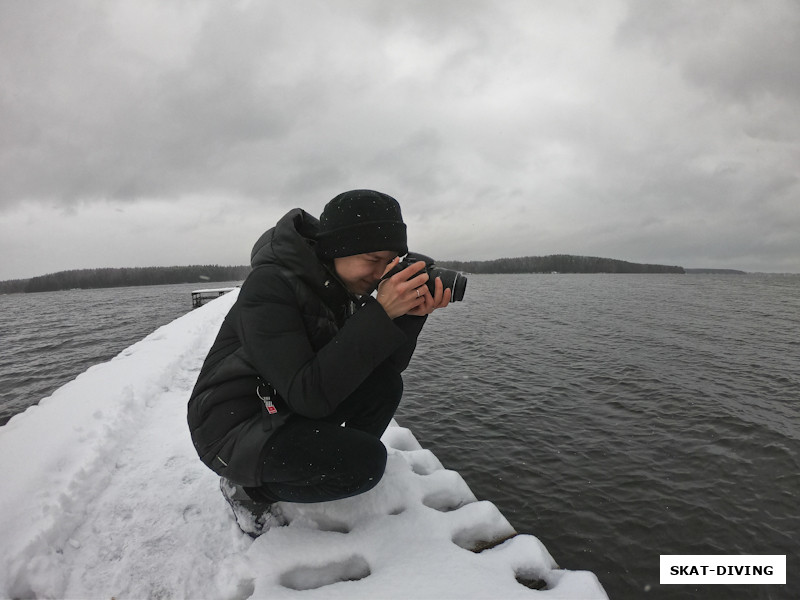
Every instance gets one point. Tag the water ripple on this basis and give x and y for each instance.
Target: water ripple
(622, 417)
(49, 338)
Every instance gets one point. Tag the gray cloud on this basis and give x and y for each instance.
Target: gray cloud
(740, 50)
(660, 132)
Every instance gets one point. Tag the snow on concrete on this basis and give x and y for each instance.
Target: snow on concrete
(103, 496)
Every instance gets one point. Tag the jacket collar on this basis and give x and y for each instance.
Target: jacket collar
(290, 244)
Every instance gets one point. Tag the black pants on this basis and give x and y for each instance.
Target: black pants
(317, 460)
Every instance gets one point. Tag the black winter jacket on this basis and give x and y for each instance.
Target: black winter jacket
(296, 327)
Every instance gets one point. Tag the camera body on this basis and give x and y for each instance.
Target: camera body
(455, 280)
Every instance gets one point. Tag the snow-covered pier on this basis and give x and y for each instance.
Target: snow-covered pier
(103, 496)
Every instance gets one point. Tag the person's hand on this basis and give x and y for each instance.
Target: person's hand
(440, 299)
(405, 291)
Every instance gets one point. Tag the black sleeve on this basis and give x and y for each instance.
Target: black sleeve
(411, 326)
(270, 327)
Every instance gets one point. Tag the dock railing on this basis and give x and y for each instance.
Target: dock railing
(200, 297)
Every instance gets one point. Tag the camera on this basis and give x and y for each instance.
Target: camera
(455, 280)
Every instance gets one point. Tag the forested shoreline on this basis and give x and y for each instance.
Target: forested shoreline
(124, 277)
(201, 274)
(557, 263)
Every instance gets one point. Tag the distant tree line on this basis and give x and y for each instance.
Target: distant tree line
(107, 278)
(715, 272)
(559, 263)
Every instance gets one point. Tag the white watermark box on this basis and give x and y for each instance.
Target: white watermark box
(723, 569)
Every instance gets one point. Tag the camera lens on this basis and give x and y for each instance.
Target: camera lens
(454, 280)
(459, 287)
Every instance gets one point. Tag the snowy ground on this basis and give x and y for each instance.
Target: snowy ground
(102, 496)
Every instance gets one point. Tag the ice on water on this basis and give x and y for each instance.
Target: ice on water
(102, 495)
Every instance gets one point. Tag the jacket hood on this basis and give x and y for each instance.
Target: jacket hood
(290, 244)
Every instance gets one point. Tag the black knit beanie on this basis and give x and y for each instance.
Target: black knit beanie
(361, 221)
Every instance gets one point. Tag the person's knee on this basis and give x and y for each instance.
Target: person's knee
(393, 381)
(385, 378)
(376, 464)
(384, 385)
(373, 468)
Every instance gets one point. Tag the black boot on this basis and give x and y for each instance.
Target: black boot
(252, 517)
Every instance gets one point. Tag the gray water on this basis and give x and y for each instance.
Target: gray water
(621, 417)
(615, 417)
(48, 338)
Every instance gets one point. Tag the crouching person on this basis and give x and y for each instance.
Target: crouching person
(305, 349)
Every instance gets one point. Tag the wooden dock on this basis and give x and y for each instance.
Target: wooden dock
(200, 297)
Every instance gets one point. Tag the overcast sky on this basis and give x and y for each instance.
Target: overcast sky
(174, 132)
